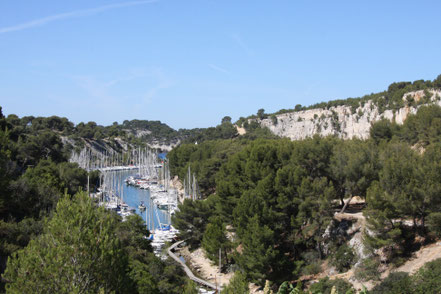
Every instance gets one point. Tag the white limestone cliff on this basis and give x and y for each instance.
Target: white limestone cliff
(341, 120)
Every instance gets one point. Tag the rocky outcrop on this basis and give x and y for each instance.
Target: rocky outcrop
(342, 121)
(83, 149)
(163, 146)
(116, 145)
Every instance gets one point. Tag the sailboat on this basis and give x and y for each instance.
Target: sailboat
(142, 206)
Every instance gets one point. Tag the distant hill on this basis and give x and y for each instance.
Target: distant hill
(110, 139)
(346, 118)
(350, 117)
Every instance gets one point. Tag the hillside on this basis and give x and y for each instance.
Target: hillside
(343, 121)
(280, 209)
(352, 117)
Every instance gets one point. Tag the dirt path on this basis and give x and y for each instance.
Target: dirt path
(204, 267)
(422, 256)
(426, 254)
(187, 270)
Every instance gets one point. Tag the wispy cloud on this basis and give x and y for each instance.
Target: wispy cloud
(147, 85)
(238, 39)
(94, 88)
(218, 68)
(134, 74)
(163, 82)
(72, 14)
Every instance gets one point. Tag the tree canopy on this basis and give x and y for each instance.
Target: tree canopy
(87, 249)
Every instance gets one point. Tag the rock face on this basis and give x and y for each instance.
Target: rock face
(163, 146)
(104, 147)
(341, 120)
(118, 145)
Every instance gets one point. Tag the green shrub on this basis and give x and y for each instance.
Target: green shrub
(427, 96)
(428, 279)
(434, 223)
(343, 259)
(312, 268)
(324, 286)
(368, 270)
(238, 284)
(312, 261)
(395, 283)
(382, 130)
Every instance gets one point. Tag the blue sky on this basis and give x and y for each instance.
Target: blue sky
(190, 63)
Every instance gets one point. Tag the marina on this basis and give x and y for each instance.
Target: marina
(135, 182)
(116, 194)
(143, 187)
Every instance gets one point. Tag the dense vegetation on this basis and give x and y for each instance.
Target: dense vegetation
(277, 198)
(162, 133)
(136, 132)
(269, 204)
(425, 280)
(33, 175)
(52, 242)
(206, 157)
(85, 249)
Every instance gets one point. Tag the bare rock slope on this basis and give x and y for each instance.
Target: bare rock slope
(340, 120)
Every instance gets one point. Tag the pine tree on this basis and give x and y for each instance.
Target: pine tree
(214, 240)
(315, 210)
(259, 255)
(77, 253)
(238, 285)
(190, 288)
(191, 220)
(353, 167)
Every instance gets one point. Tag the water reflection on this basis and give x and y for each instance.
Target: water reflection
(133, 197)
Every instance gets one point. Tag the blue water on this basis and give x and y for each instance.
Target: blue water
(133, 197)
